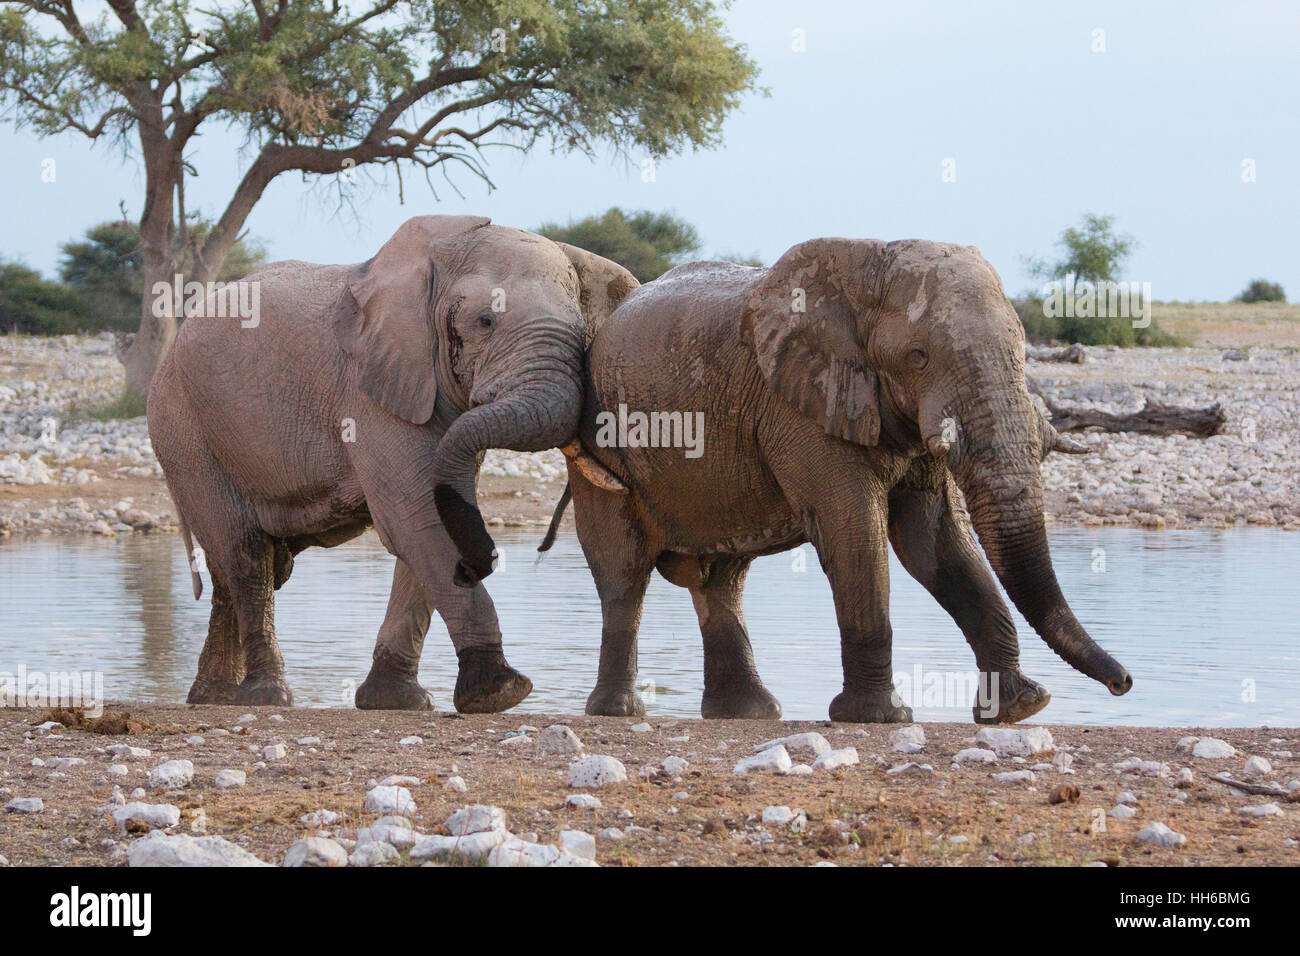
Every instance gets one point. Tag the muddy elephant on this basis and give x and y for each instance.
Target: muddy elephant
(847, 394)
(365, 395)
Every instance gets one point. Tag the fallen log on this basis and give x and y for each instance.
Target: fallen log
(1270, 790)
(1153, 418)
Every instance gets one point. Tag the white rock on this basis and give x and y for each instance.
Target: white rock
(516, 852)
(1146, 768)
(195, 740)
(159, 849)
(1013, 777)
(1185, 776)
(1126, 797)
(799, 770)
(123, 750)
(583, 801)
(320, 818)
(578, 843)
(812, 743)
(455, 784)
(834, 759)
(477, 818)
(675, 765)
(472, 848)
(1212, 748)
(398, 834)
(975, 755)
(25, 805)
(641, 728)
(399, 781)
(118, 769)
(783, 816)
(558, 739)
(372, 854)
(613, 834)
(1123, 812)
(595, 771)
(908, 740)
(1160, 835)
(308, 741)
(410, 741)
(231, 778)
(316, 851)
(1257, 767)
(1263, 810)
(172, 775)
(157, 816)
(246, 718)
(1015, 741)
(384, 800)
(273, 752)
(773, 759)
(66, 763)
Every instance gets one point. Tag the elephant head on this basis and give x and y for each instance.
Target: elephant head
(498, 320)
(914, 343)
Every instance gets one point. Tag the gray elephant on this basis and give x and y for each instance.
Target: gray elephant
(847, 393)
(366, 395)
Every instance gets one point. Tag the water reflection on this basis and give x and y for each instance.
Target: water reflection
(1205, 620)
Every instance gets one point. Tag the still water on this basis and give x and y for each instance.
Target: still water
(1206, 621)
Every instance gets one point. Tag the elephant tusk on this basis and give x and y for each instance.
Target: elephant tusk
(938, 447)
(1069, 446)
(592, 470)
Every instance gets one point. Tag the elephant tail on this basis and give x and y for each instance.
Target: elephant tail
(192, 560)
(556, 519)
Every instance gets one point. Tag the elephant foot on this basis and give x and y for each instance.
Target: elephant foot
(615, 700)
(486, 684)
(264, 691)
(390, 688)
(1010, 698)
(204, 691)
(749, 700)
(854, 706)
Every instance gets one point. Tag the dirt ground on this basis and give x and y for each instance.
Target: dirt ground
(704, 815)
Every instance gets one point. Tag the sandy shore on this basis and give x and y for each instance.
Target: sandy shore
(63, 471)
(953, 806)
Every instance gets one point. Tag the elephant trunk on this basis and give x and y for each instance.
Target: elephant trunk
(543, 413)
(1004, 495)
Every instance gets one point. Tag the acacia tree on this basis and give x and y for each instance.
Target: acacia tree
(322, 87)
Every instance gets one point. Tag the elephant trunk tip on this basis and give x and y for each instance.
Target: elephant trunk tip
(1120, 684)
(465, 527)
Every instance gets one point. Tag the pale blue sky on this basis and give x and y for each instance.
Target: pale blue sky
(852, 140)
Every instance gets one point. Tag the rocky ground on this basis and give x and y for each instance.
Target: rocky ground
(219, 785)
(63, 470)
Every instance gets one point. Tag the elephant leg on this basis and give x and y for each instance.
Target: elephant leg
(844, 507)
(937, 549)
(621, 564)
(249, 573)
(393, 682)
(732, 687)
(221, 662)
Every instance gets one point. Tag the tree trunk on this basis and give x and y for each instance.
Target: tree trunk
(157, 312)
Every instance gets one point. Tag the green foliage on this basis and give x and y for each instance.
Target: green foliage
(1261, 290)
(647, 244)
(740, 260)
(1042, 328)
(1093, 252)
(32, 305)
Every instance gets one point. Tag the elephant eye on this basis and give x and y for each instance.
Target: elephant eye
(487, 320)
(917, 358)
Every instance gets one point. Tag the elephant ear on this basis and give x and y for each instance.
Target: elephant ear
(603, 285)
(806, 323)
(388, 328)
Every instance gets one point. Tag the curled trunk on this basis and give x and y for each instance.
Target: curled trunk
(541, 415)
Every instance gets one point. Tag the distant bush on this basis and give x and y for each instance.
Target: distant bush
(1261, 290)
(32, 305)
(1043, 329)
